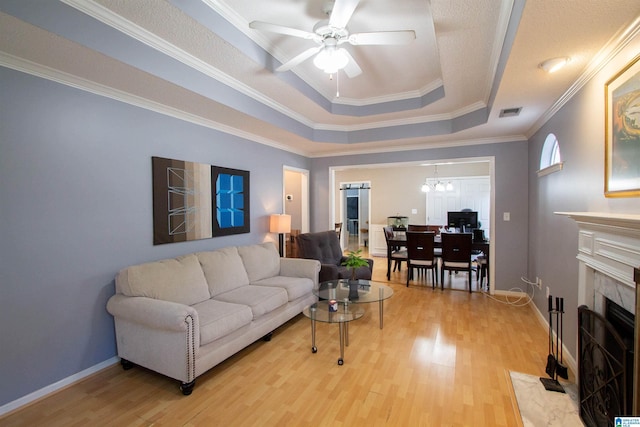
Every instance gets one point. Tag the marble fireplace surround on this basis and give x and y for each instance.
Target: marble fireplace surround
(608, 256)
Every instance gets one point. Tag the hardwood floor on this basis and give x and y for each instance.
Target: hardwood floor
(442, 359)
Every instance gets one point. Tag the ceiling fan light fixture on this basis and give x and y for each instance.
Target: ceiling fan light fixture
(554, 64)
(330, 60)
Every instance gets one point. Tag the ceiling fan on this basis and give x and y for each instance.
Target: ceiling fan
(330, 34)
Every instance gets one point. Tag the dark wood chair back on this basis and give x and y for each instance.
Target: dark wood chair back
(456, 247)
(456, 254)
(420, 245)
(417, 227)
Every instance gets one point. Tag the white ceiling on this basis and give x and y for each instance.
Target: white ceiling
(200, 61)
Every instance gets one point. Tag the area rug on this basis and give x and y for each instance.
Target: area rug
(539, 407)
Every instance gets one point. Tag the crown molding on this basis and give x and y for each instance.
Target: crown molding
(422, 146)
(138, 33)
(606, 55)
(48, 73)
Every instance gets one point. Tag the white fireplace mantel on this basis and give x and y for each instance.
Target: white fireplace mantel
(608, 243)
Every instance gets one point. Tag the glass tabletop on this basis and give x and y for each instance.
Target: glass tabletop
(357, 291)
(345, 312)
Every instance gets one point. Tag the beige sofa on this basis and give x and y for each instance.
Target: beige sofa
(182, 316)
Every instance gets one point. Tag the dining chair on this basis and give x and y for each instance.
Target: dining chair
(417, 227)
(420, 254)
(338, 228)
(456, 254)
(395, 253)
(483, 271)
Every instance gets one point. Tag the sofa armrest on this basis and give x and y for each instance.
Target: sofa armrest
(299, 267)
(153, 313)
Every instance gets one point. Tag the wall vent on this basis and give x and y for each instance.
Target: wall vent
(510, 112)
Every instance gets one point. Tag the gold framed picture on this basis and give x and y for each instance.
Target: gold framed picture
(622, 132)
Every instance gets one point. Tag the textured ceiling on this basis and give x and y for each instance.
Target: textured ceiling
(200, 61)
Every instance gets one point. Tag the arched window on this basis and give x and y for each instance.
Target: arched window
(550, 160)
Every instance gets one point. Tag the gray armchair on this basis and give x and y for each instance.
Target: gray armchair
(324, 246)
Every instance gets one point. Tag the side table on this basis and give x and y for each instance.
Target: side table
(347, 312)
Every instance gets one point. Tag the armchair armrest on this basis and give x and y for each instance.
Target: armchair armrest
(328, 272)
(153, 313)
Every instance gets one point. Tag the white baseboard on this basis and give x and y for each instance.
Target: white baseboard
(567, 358)
(52, 388)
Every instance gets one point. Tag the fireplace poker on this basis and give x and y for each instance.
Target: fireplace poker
(561, 369)
(551, 359)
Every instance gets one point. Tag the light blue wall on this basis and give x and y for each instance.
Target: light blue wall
(76, 206)
(579, 187)
(510, 196)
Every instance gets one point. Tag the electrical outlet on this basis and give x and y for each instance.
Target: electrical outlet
(548, 292)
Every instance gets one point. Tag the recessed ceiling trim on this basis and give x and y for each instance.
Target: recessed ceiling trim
(138, 33)
(424, 146)
(38, 70)
(406, 121)
(506, 24)
(426, 90)
(369, 106)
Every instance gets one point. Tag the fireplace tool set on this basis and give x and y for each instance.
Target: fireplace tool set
(555, 368)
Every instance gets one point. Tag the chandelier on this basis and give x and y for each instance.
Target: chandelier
(436, 184)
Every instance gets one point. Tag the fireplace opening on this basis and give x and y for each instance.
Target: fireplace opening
(605, 369)
(623, 321)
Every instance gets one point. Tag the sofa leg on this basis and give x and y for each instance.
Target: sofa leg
(187, 388)
(126, 365)
(267, 337)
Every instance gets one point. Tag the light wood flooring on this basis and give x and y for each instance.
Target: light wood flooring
(442, 359)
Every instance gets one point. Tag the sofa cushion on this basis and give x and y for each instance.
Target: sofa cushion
(218, 318)
(260, 261)
(223, 270)
(261, 299)
(296, 287)
(178, 280)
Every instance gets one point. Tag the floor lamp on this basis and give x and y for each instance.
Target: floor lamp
(281, 224)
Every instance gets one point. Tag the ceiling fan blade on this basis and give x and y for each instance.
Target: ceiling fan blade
(279, 29)
(341, 13)
(352, 69)
(299, 58)
(382, 38)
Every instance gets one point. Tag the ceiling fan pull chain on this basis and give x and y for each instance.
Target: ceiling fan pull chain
(337, 84)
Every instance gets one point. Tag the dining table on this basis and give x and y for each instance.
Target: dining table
(399, 240)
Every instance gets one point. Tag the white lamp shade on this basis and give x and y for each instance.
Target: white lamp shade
(280, 223)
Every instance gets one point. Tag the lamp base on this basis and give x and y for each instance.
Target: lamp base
(281, 237)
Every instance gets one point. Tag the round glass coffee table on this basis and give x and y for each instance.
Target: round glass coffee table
(356, 292)
(345, 313)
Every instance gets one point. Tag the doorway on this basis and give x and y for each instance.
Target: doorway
(296, 200)
(354, 214)
(398, 192)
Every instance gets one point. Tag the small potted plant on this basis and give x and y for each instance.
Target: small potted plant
(353, 261)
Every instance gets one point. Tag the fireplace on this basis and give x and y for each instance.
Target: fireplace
(606, 359)
(608, 276)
